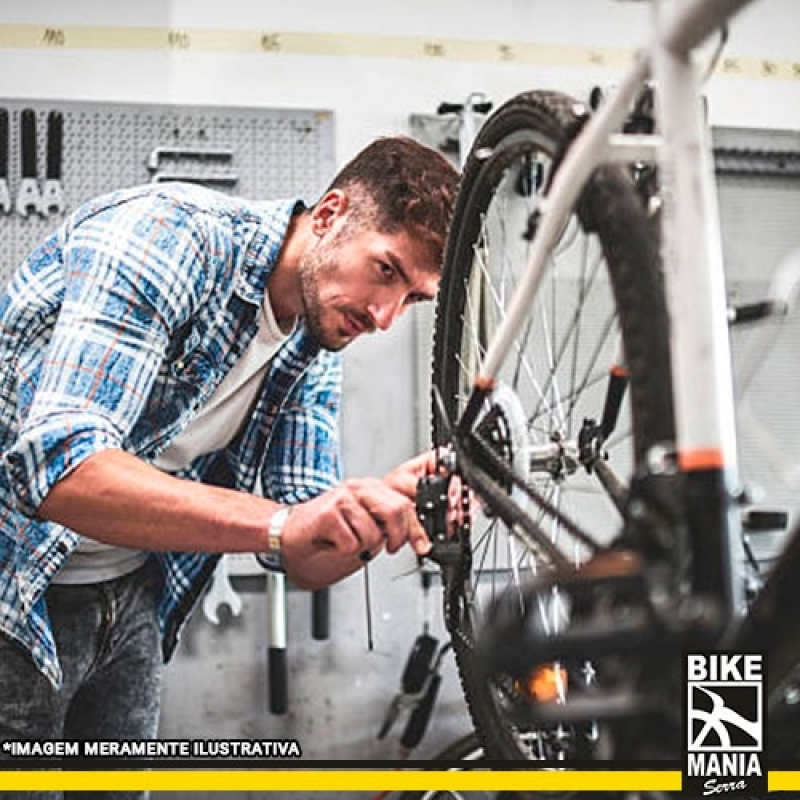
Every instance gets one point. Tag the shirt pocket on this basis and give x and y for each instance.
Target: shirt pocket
(193, 364)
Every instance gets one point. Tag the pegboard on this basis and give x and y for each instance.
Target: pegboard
(260, 154)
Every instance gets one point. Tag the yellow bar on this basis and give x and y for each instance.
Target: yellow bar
(362, 45)
(783, 781)
(337, 780)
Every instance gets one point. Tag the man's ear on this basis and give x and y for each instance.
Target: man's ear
(331, 207)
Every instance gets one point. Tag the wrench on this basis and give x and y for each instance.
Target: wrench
(28, 197)
(53, 194)
(5, 197)
(221, 593)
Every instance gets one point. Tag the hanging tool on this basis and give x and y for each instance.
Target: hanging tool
(320, 614)
(419, 683)
(419, 689)
(421, 713)
(28, 198)
(276, 643)
(5, 196)
(412, 682)
(365, 557)
(221, 593)
(470, 114)
(53, 193)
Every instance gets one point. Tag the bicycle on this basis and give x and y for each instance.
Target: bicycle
(558, 234)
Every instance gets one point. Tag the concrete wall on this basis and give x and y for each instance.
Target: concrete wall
(373, 64)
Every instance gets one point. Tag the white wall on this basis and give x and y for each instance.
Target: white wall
(375, 95)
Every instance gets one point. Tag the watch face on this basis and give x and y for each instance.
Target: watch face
(270, 561)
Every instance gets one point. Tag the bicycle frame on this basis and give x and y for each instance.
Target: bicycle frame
(706, 440)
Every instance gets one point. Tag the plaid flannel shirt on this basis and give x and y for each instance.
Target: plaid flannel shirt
(113, 333)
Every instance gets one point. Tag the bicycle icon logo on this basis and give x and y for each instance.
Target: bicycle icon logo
(733, 721)
(724, 724)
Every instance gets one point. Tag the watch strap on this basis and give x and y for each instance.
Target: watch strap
(271, 558)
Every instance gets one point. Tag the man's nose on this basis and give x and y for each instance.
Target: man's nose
(385, 313)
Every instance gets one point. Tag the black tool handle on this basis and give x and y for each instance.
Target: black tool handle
(421, 715)
(456, 108)
(418, 664)
(615, 393)
(55, 144)
(278, 680)
(321, 614)
(28, 126)
(3, 142)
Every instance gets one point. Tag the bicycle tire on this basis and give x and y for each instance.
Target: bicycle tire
(533, 129)
(467, 748)
(771, 627)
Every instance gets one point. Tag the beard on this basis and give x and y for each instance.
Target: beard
(320, 264)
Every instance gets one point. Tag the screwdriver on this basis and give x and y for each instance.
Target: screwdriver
(366, 556)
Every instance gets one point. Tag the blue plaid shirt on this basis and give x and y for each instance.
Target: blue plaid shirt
(113, 333)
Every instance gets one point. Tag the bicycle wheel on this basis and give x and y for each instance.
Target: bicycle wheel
(771, 627)
(467, 748)
(601, 297)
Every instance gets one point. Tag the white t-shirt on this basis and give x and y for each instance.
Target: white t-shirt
(216, 423)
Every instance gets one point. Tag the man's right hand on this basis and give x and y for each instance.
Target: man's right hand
(332, 536)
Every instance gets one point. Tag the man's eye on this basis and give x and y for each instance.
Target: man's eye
(387, 270)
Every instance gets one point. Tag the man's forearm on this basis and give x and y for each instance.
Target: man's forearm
(119, 499)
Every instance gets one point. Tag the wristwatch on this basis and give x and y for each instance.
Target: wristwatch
(271, 559)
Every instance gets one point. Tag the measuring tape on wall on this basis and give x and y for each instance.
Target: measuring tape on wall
(199, 40)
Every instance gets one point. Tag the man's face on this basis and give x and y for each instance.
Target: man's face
(356, 281)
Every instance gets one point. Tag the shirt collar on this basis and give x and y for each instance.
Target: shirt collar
(264, 240)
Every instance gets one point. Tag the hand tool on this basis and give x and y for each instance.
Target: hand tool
(5, 197)
(320, 614)
(421, 713)
(276, 643)
(221, 593)
(365, 557)
(28, 198)
(413, 681)
(53, 193)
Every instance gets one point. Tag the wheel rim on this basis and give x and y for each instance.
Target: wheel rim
(555, 377)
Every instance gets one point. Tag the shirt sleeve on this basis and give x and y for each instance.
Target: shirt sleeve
(304, 459)
(132, 273)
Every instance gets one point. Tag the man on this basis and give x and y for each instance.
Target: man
(169, 390)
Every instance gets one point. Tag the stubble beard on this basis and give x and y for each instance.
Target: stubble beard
(316, 265)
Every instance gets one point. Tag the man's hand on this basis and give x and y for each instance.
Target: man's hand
(330, 537)
(404, 479)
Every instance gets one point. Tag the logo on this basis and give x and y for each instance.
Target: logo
(725, 713)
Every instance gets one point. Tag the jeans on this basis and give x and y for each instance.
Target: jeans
(109, 647)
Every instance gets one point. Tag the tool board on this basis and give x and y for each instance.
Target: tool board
(56, 154)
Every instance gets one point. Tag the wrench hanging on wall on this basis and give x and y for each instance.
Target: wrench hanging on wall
(5, 196)
(53, 194)
(28, 198)
(221, 593)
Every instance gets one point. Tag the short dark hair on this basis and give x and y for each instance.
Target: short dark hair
(412, 186)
